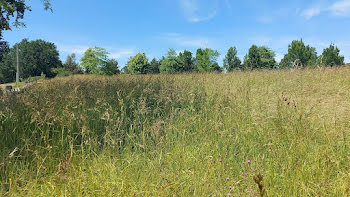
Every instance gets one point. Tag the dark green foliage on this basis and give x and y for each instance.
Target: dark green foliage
(267, 57)
(110, 67)
(331, 57)
(299, 55)
(153, 67)
(71, 65)
(35, 57)
(61, 72)
(187, 61)
(259, 58)
(252, 59)
(206, 60)
(231, 61)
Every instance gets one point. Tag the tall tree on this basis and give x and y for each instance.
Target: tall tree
(187, 61)
(72, 65)
(35, 57)
(171, 63)
(137, 64)
(299, 55)
(94, 59)
(206, 60)
(110, 67)
(153, 67)
(253, 58)
(331, 57)
(267, 57)
(231, 61)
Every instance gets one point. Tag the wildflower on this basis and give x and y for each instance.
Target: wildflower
(248, 161)
(227, 179)
(230, 187)
(229, 194)
(202, 183)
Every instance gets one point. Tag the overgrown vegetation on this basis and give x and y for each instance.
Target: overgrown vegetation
(267, 133)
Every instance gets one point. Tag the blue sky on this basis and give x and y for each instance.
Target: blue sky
(127, 27)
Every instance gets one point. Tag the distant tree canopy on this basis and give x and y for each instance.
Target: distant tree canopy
(299, 55)
(35, 57)
(331, 57)
(41, 57)
(95, 61)
(231, 61)
(259, 58)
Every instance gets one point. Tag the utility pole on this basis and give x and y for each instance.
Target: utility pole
(17, 73)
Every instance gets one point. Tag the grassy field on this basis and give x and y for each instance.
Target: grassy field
(261, 133)
(14, 85)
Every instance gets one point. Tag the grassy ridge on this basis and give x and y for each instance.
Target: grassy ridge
(179, 135)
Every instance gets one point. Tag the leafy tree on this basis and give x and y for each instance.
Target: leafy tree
(153, 67)
(259, 58)
(110, 67)
(331, 57)
(94, 59)
(267, 57)
(71, 65)
(11, 8)
(137, 64)
(253, 58)
(299, 54)
(206, 60)
(187, 61)
(171, 64)
(231, 61)
(35, 57)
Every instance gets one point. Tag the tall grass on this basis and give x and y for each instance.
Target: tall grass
(261, 133)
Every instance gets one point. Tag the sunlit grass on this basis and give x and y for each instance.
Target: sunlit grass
(179, 135)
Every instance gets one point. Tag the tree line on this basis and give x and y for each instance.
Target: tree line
(41, 57)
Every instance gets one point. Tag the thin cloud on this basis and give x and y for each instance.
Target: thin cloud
(122, 53)
(311, 12)
(340, 8)
(185, 41)
(195, 13)
(77, 49)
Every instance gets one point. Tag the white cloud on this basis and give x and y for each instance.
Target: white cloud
(279, 57)
(122, 53)
(311, 12)
(77, 49)
(340, 8)
(196, 10)
(185, 41)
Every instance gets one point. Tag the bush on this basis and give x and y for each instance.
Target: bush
(36, 78)
(61, 72)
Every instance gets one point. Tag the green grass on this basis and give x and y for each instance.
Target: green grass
(14, 85)
(179, 135)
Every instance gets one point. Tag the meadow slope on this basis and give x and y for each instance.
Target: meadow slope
(272, 133)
